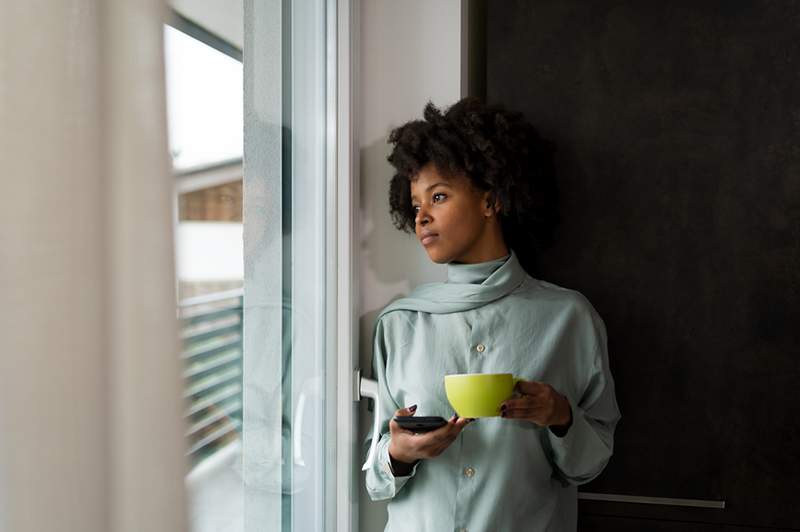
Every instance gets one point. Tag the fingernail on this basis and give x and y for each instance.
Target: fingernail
(413, 408)
(455, 416)
(502, 414)
(470, 420)
(502, 407)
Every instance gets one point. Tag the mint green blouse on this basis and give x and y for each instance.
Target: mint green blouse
(499, 474)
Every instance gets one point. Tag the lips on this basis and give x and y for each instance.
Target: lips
(429, 239)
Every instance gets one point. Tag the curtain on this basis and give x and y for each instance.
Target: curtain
(91, 428)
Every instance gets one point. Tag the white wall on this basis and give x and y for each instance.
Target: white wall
(410, 53)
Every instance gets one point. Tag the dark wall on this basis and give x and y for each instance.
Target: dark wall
(678, 133)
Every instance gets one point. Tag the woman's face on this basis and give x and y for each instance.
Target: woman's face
(453, 220)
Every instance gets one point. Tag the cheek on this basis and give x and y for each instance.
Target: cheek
(460, 225)
(458, 218)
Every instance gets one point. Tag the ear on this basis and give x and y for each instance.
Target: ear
(491, 210)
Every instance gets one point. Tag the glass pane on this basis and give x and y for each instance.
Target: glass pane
(204, 102)
(210, 274)
(287, 351)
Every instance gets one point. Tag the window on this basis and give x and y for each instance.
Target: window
(204, 109)
(204, 103)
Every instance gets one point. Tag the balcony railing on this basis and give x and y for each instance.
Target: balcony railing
(211, 331)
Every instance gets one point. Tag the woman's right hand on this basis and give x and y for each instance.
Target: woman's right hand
(407, 447)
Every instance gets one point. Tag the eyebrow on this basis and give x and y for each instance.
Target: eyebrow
(432, 186)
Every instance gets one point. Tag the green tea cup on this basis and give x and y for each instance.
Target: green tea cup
(479, 394)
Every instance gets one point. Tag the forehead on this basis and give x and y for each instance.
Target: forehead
(429, 176)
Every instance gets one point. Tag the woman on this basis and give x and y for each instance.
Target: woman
(473, 184)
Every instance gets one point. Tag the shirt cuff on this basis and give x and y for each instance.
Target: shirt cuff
(386, 466)
(579, 432)
(561, 431)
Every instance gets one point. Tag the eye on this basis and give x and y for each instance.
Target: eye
(415, 208)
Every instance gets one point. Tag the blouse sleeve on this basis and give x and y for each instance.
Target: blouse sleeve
(380, 480)
(583, 452)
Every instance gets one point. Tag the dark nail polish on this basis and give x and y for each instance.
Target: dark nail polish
(502, 414)
(412, 408)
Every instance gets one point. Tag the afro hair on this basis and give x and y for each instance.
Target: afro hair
(498, 151)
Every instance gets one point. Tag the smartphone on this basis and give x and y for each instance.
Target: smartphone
(420, 423)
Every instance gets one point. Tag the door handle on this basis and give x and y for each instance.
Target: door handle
(369, 388)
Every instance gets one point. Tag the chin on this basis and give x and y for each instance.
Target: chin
(437, 256)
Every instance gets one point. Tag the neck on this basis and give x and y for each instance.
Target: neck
(476, 257)
(489, 249)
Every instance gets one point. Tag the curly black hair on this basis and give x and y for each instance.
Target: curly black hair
(499, 151)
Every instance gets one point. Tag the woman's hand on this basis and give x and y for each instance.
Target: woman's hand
(407, 447)
(538, 403)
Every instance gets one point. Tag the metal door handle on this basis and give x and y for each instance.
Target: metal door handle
(369, 388)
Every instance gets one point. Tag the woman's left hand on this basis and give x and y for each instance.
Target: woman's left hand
(539, 403)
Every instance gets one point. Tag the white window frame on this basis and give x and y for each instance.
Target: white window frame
(343, 38)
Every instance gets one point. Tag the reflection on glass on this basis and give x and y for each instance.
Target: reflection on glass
(205, 130)
(290, 363)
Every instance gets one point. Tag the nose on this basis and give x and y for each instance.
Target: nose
(422, 217)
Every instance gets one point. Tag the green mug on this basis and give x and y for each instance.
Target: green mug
(479, 394)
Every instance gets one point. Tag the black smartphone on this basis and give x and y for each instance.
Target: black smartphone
(420, 423)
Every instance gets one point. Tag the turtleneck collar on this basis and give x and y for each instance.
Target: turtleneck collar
(473, 273)
(491, 280)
